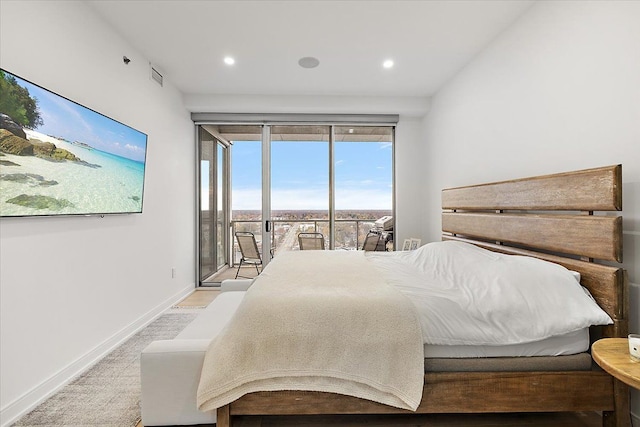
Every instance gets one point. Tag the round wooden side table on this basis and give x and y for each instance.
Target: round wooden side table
(612, 354)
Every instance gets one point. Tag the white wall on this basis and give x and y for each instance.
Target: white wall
(73, 287)
(558, 91)
(409, 174)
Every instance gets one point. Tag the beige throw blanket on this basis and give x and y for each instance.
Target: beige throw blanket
(318, 321)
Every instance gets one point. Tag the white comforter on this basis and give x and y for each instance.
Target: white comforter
(466, 295)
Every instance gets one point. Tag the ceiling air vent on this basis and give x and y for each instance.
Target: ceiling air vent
(155, 75)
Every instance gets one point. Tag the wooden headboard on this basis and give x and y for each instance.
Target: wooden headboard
(551, 217)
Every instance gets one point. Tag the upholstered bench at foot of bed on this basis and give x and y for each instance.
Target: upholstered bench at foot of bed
(235, 285)
(170, 369)
(170, 373)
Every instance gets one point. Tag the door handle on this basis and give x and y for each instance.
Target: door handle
(268, 226)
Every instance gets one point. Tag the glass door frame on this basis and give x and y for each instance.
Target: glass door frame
(266, 175)
(267, 223)
(214, 173)
(266, 121)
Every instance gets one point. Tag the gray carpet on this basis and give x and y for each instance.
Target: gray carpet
(108, 394)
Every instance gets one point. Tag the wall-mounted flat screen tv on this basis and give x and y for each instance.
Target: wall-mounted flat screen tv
(58, 157)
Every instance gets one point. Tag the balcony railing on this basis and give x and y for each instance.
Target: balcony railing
(349, 234)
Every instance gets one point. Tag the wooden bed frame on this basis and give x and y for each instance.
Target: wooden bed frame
(509, 217)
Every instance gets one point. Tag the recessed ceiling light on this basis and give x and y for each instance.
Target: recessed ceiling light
(308, 62)
(387, 64)
(229, 60)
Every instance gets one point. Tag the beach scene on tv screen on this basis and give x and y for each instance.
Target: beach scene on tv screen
(60, 158)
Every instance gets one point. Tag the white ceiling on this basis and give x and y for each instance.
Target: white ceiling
(429, 41)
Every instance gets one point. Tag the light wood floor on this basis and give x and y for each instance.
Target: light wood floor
(200, 298)
(203, 296)
(246, 272)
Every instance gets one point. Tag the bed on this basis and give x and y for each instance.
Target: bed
(553, 218)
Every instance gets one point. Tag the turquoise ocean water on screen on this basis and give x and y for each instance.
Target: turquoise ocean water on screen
(102, 183)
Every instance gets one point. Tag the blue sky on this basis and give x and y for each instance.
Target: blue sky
(73, 122)
(300, 175)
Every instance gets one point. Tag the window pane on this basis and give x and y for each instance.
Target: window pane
(246, 181)
(221, 252)
(207, 238)
(363, 161)
(299, 183)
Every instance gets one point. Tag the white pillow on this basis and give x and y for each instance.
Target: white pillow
(471, 296)
(576, 274)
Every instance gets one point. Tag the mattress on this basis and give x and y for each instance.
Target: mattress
(573, 362)
(559, 345)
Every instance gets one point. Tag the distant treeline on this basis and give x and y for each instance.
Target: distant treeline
(364, 214)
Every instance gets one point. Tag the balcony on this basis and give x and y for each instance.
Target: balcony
(349, 233)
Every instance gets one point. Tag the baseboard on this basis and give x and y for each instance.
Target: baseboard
(28, 401)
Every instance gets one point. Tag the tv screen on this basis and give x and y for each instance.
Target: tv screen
(58, 157)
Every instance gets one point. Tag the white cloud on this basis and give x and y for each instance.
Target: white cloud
(300, 199)
(246, 199)
(133, 148)
(373, 198)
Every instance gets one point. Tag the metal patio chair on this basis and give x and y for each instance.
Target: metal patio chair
(311, 241)
(249, 250)
(371, 241)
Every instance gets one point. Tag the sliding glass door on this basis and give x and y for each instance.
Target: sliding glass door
(363, 182)
(213, 212)
(246, 188)
(299, 187)
(286, 179)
